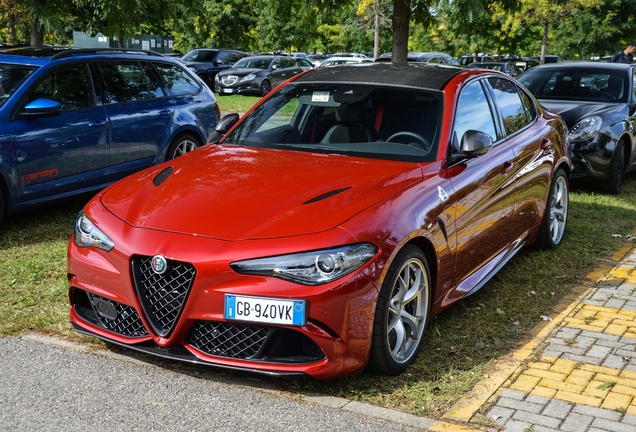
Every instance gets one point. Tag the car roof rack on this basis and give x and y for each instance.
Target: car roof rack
(71, 52)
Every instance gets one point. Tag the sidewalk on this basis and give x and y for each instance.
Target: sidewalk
(577, 373)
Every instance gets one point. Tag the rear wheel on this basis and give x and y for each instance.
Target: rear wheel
(181, 145)
(555, 217)
(617, 167)
(266, 87)
(401, 313)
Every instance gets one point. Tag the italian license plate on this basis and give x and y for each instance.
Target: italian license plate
(265, 310)
(226, 90)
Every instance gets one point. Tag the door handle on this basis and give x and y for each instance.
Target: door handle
(97, 123)
(164, 112)
(545, 144)
(507, 167)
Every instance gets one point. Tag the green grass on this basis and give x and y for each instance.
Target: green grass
(460, 345)
(236, 103)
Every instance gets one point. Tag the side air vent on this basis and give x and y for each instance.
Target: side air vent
(162, 176)
(327, 195)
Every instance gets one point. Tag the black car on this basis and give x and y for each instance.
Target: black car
(206, 63)
(507, 67)
(597, 102)
(256, 75)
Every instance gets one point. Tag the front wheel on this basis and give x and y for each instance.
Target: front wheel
(617, 167)
(401, 313)
(181, 145)
(266, 87)
(555, 217)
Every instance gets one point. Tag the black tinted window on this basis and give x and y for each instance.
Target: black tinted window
(177, 80)
(509, 103)
(124, 82)
(70, 86)
(11, 77)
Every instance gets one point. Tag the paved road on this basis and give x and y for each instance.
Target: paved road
(47, 388)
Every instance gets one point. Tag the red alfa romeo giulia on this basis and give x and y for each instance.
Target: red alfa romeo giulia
(329, 224)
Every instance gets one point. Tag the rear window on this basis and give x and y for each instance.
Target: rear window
(11, 78)
(577, 84)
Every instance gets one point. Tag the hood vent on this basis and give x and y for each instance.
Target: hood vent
(162, 176)
(327, 195)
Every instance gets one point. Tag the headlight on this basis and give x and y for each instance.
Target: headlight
(310, 268)
(586, 129)
(249, 77)
(217, 78)
(87, 234)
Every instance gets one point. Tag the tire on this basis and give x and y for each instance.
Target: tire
(181, 145)
(614, 179)
(555, 217)
(397, 319)
(266, 87)
(1, 205)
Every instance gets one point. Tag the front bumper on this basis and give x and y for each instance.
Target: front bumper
(250, 87)
(106, 303)
(591, 160)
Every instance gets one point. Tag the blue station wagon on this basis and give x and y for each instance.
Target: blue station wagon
(74, 120)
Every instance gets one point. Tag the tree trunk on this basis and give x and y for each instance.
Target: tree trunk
(544, 43)
(401, 15)
(121, 42)
(13, 20)
(37, 32)
(376, 29)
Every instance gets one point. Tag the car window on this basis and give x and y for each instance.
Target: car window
(528, 104)
(276, 64)
(177, 80)
(154, 83)
(231, 57)
(473, 112)
(124, 81)
(11, 78)
(70, 86)
(509, 103)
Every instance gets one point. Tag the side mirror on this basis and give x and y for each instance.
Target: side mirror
(226, 123)
(475, 143)
(42, 108)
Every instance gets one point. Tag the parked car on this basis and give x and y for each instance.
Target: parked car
(507, 67)
(422, 57)
(548, 58)
(74, 120)
(328, 226)
(206, 63)
(597, 102)
(256, 75)
(336, 61)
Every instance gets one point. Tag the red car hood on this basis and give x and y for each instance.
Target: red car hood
(233, 193)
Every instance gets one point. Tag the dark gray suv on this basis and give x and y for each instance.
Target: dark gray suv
(206, 63)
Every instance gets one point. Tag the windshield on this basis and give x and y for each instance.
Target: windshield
(252, 63)
(351, 119)
(11, 78)
(577, 84)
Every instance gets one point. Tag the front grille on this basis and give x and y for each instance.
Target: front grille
(253, 342)
(108, 314)
(229, 79)
(228, 340)
(162, 296)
